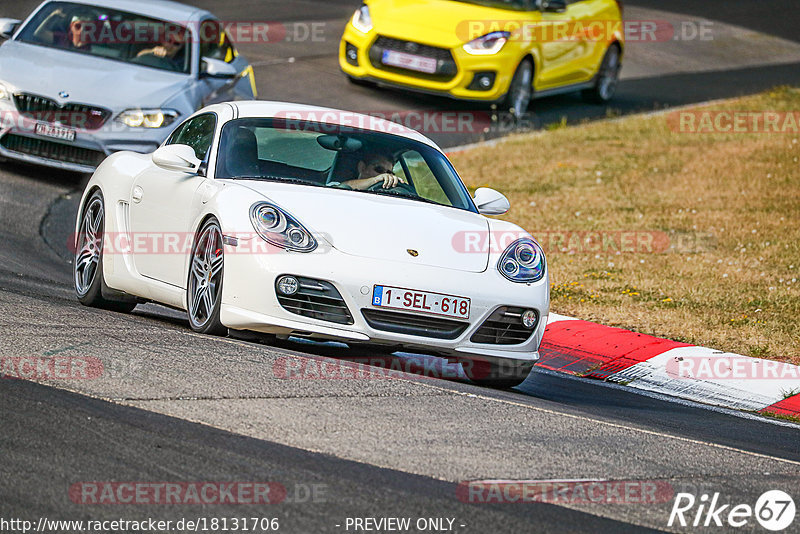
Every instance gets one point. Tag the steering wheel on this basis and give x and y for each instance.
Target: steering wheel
(400, 187)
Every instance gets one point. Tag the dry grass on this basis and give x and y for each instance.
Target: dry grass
(731, 203)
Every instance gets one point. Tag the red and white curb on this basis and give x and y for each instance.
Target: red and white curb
(669, 367)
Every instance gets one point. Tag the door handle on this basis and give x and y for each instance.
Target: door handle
(137, 194)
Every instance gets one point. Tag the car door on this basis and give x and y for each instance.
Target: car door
(215, 43)
(560, 49)
(163, 204)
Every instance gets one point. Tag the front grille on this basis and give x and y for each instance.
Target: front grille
(504, 327)
(52, 150)
(73, 115)
(413, 325)
(446, 68)
(318, 300)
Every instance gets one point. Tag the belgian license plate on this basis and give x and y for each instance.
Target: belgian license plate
(56, 132)
(420, 301)
(409, 61)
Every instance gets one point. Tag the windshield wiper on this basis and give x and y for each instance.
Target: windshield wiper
(276, 179)
(404, 195)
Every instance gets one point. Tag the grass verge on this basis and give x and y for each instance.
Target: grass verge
(689, 236)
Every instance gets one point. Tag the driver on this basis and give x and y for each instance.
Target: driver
(374, 169)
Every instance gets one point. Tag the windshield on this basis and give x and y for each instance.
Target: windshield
(516, 5)
(112, 34)
(323, 155)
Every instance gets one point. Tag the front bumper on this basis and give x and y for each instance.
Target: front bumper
(19, 141)
(249, 300)
(502, 65)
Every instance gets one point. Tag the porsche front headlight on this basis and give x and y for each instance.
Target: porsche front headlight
(488, 44)
(148, 118)
(361, 19)
(279, 228)
(5, 94)
(523, 261)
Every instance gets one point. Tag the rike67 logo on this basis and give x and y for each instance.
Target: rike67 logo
(774, 510)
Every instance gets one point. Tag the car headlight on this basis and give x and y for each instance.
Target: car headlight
(5, 94)
(361, 19)
(489, 44)
(278, 228)
(523, 261)
(148, 118)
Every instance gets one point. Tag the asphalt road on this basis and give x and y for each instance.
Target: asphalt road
(172, 406)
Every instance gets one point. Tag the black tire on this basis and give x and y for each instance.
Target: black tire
(87, 268)
(204, 286)
(495, 372)
(520, 92)
(607, 79)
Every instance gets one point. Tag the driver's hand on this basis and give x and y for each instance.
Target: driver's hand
(389, 180)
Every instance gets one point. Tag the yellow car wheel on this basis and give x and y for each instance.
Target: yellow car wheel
(607, 77)
(520, 92)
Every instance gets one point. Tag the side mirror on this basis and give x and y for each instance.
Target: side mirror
(553, 6)
(214, 68)
(491, 202)
(180, 158)
(8, 27)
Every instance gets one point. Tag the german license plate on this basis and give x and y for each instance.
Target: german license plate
(409, 61)
(420, 301)
(56, 132)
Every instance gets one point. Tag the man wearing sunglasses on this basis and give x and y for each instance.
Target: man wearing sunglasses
(375, 169)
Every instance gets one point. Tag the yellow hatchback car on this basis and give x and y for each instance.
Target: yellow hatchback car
(495, 51)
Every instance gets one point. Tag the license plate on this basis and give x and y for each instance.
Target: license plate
(409, 61)
(420, 301)
(56, 132)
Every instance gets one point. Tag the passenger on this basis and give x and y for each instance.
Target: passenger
(171, 48)
(374, 169)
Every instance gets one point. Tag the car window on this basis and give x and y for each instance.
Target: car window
(422, 177)
(197, 132)
(324, 155)
(110, 33)
(215, 43)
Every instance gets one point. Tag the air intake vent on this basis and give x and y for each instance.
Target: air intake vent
(413, 325)
(504, 327)
(318, 300)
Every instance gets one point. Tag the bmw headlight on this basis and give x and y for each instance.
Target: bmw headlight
(147, 118)
(489, 44)
(523, 261)
(361, 19)
(278, 228)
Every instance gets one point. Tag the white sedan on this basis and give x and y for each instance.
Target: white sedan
(302, 221)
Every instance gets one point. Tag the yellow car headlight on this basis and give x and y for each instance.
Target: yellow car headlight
(361, 19)
(488, 44)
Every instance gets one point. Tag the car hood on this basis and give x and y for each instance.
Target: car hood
(381, 227)
(88, 80)
(446, 23)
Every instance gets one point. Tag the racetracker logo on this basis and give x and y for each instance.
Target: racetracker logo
(105, 32)
(50, 368)
(737, 122)
(569, 241)
(174, 493)
(366, 368)
(565, 491)
(386, 121)
(568, 30)
(729, 367)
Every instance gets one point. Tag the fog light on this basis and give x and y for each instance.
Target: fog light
(529, 318)
(485, 82)
(351, 54)
(288, 285)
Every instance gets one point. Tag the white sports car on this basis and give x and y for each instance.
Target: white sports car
(302, 221)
